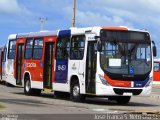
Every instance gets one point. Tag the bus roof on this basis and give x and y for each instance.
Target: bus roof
(37, 34)
(96, 29)
(74, 31)
(12, 36)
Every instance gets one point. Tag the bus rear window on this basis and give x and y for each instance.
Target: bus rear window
(11, 49)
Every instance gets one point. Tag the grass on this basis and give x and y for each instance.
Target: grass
(1, 106)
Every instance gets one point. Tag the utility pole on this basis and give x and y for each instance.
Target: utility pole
(74, 14)
(42, 21)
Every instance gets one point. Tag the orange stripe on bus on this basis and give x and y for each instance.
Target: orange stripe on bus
(117, 83)
(114, 28)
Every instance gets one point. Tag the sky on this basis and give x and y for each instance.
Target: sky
(21, 16)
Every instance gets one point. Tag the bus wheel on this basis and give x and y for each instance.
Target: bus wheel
(75, 93)
(123, 99)
(28, 90)
(27, 87)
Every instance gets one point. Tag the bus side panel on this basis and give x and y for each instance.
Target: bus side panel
(35, 69)
(61, 72)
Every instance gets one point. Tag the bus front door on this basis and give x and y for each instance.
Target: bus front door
(91, 67)
(19, 64)
(48, 65)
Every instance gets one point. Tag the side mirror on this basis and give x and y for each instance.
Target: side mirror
(99, 46)
(154, 51)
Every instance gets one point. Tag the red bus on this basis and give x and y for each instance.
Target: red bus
(156, 74)
(33, 64)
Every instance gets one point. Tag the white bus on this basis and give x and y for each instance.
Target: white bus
(9, 60)
(112, 62)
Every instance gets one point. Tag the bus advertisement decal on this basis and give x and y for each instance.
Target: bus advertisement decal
(61, 71)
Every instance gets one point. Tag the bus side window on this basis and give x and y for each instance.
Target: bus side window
(77, 47)
(63, 46)
(28, 50)
(38, 48)
(11, 49)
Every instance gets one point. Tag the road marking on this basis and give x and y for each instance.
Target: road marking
(99, 110)
(105, 110)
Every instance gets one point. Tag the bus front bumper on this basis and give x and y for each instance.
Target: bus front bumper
(104, 90)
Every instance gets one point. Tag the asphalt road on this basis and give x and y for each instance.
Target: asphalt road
(16, 102)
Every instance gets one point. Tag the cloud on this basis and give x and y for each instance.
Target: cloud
(139, 11)
(12, 7)
(142, 14)
(96, 19)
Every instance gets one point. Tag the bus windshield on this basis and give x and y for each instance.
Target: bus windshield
(125, 56)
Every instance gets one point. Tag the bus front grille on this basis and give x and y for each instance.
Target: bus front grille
(121, 91)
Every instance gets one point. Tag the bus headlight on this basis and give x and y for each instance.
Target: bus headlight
(103, 80)
(149, 82)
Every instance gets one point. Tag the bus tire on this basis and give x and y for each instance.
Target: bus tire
(123, 99)
(75, 93)
(27, 87)
(28, 90)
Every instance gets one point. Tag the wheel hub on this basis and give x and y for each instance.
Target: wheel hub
(75, 90)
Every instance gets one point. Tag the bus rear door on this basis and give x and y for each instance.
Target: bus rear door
(19, 63)
(48, 65)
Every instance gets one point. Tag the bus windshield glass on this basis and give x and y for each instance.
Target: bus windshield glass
(125, 54)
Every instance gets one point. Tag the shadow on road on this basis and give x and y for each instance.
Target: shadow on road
(23, 102)
(102, 101)
(89, 101)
